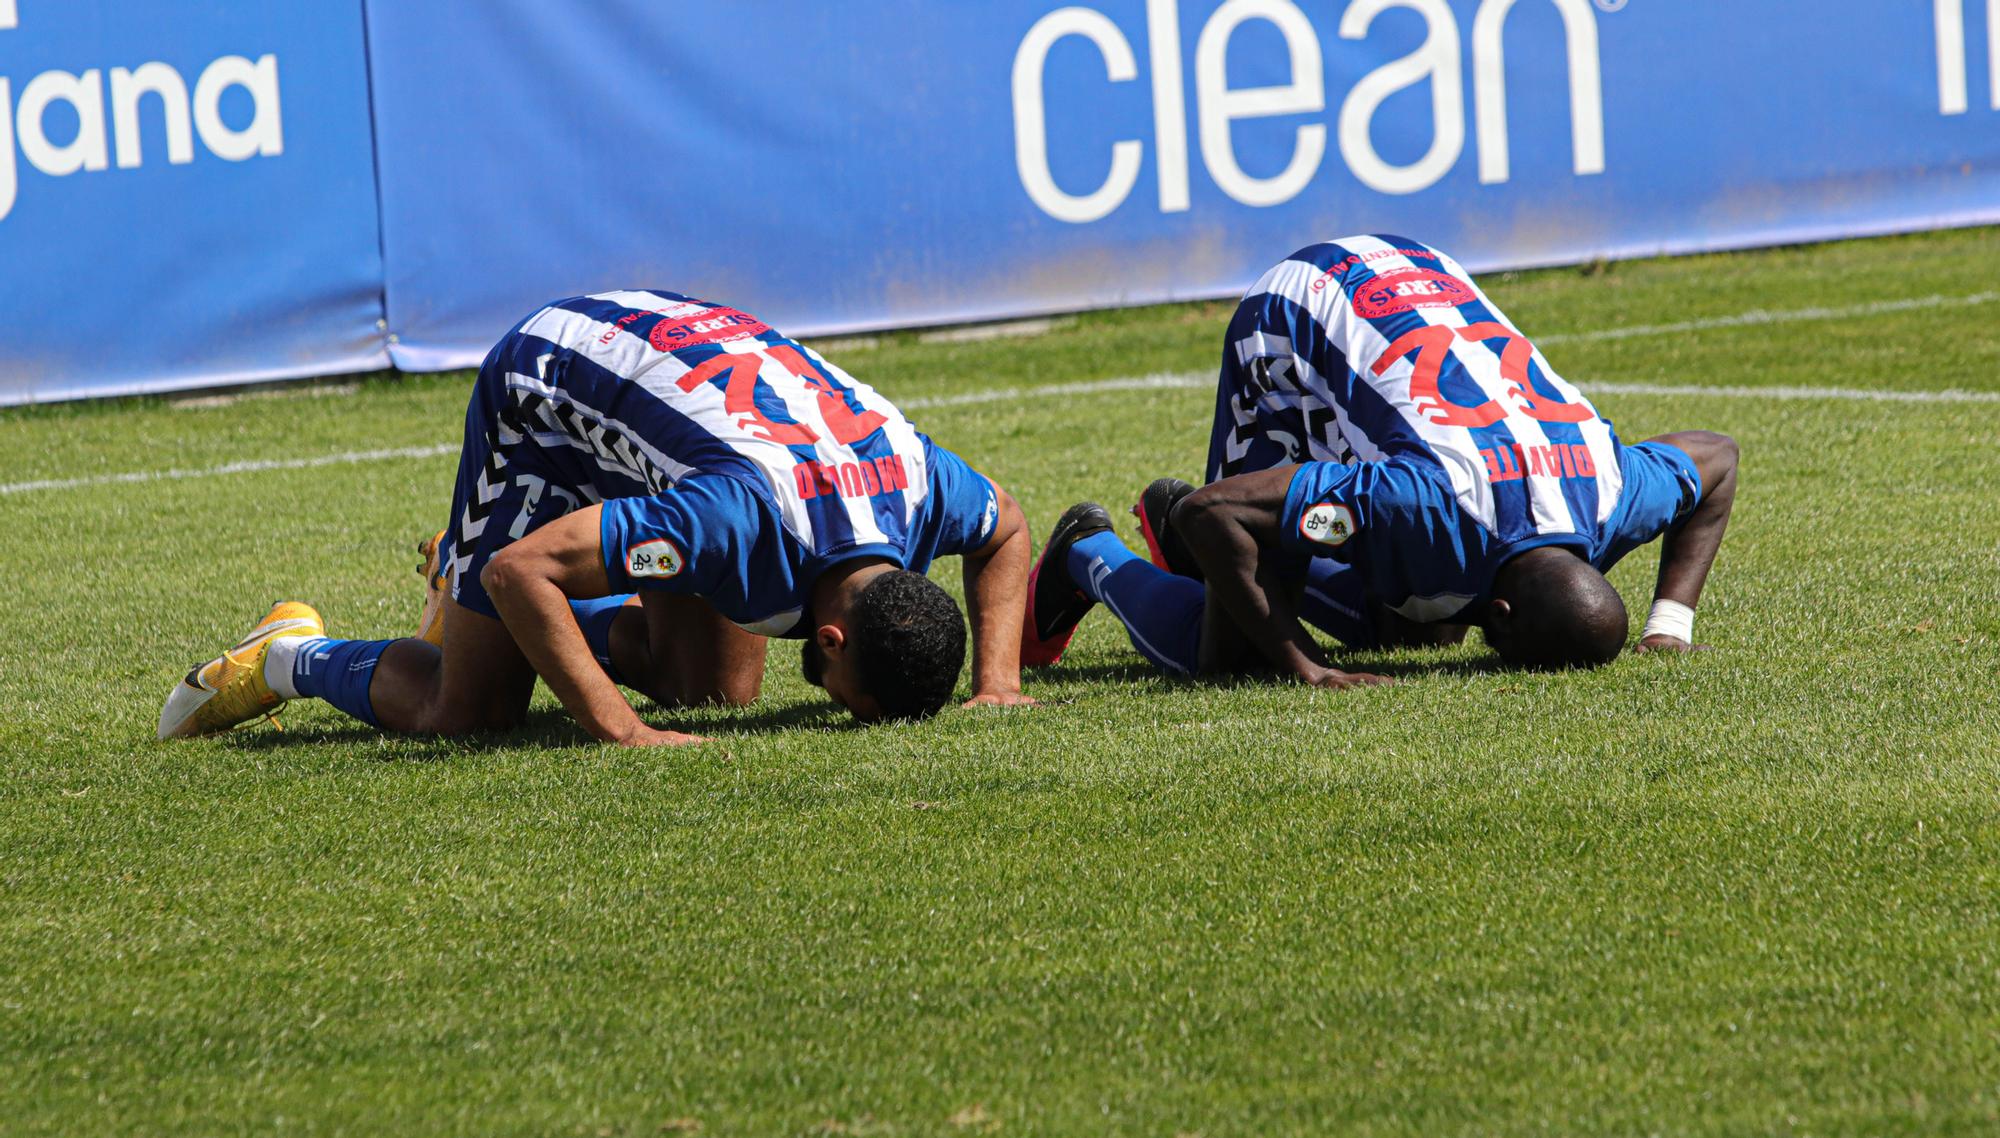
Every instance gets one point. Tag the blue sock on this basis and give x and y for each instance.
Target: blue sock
(1160, 612)
(595, 617)
(339, 672)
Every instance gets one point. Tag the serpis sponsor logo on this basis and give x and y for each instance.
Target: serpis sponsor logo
(711, 326)
(107, 109)
(1406, 289)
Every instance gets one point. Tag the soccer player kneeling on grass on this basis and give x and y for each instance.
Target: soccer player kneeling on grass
(741, 485)
(1392, 461)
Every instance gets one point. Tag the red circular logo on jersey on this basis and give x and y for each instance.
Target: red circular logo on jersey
(1407, 289)
(709, 326)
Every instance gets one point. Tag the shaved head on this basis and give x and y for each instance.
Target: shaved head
(1552, 609)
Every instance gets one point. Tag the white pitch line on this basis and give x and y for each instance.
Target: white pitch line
(1184, 380)
(1202, 379)
(1758, 316)
(1163, 382)
(1860, 394)
(249, 467)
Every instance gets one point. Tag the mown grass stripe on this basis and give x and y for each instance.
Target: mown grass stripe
(1164, 381)
(251, 466)
(1757, 317)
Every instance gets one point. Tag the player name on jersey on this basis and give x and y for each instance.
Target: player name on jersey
(1557, 460)
(884, 475)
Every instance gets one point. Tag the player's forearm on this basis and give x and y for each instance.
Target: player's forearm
(1247, 587)
(1272, 622)
(1689, 551)
(996, 592)
(536, 611)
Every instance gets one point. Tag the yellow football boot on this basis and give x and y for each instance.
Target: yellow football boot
(430, 622)
(230, 688)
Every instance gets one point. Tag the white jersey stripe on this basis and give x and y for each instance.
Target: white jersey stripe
(1466, 452)
(673, 471)
(1547, 505)
(1362, 345)
(706, 406)
(1363, 447)
(609, 347)
(1596, 432)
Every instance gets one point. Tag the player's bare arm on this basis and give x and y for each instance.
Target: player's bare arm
(996, 595)
(1690, 548)
(1229, 525)
(531, 582)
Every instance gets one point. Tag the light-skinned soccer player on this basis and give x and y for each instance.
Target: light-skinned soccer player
(1391, 462)
(650, 444)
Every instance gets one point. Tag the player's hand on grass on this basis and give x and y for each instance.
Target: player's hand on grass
(1336, 679)
(1661, 642)
(999, 699)
(646, 736)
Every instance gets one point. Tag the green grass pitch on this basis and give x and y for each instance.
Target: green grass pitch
(1750, 891)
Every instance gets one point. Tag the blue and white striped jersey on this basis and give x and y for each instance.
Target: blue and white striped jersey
(735, 463)
(1376, 347)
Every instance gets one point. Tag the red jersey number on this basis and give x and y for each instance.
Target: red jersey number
(1434, 342)
(740, 398)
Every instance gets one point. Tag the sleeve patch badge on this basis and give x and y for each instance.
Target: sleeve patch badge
(655, 558)
(1328, 523)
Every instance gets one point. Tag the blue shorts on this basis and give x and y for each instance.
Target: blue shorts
(503, 493)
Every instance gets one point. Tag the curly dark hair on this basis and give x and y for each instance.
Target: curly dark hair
(910, 636)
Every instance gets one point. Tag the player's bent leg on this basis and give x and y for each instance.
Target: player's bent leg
(479, 680)
(597, 617)
(1393, 630)
(680, 652)
(1333, 600)
(1161, 612)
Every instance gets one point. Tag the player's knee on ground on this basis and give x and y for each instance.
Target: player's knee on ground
(703, 691)
(474, 719)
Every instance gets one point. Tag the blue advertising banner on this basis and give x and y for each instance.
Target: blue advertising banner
(845, 166)
(188, 193)
(187, 196)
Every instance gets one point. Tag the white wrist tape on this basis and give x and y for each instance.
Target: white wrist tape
(1670, 618)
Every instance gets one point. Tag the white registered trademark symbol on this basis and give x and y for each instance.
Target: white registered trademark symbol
(1610, 5)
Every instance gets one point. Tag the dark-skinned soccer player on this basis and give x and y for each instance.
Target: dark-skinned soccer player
(1392, 461)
